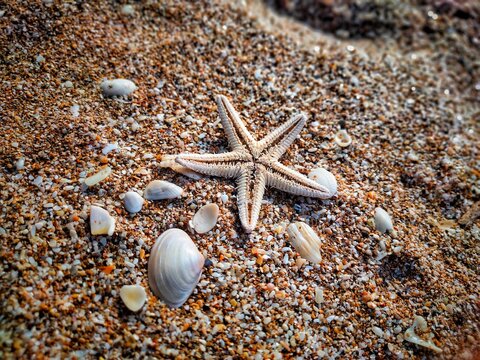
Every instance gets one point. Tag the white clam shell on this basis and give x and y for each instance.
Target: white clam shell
(133, 202)
(324, 177)
(160, 189)
(117, 87)
(174, 267)
(206, 218)
(383, 222)
(101, 223)
(306, 241)
(133, 296)
(342, 138)
(99, 176)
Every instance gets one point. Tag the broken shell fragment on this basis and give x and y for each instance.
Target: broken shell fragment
(343, 139)
(101, 223)
(133, 202)
(410, 335)
(117, 87)
(99, 176)
(168, 161)
(160, 189)
(206, 218)
(383, 222)
(325, 178)
(306, 241)
(174, 267)
(133, 296)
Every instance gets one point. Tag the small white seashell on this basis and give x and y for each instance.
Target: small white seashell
(99, 176)
(306, 241)
(133, 296)
(75, 110)
(109, 147)
(205, 218)
(410, 335)
(174, 267)
(343, 139)
(128, 9)
(133, 202)
(20, 163)
(101, 222)
(383, 222)
(324, 177)
(160, 189)
(117, 87)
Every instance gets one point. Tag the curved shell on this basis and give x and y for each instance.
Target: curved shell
(205, 218)
(133, 202)
(324, 177)
(117, 87)
(174, 267)
(342, 138)
(101, 223)
(133, 296)
(383, 221)
(160, 190)
(305, 241)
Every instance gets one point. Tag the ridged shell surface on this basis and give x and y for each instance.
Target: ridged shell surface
(160, 190)
(205, 218)
(174, 267)
(306, 241)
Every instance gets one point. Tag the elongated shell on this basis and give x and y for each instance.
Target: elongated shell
(101, 223)
(305, 241)
(117, 87)
(174, 267)
(99, 176)
(205, 218)
(160, 189)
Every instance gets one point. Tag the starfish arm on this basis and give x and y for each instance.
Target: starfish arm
(288, 130)
(216, 158)
(250, 198)
(238, 135)
(285, 135)
(285, 179)
(225, 170)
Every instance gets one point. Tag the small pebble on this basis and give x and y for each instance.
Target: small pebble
(133, 202)
(117, 87)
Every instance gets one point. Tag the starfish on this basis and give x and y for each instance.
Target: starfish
(254, 164)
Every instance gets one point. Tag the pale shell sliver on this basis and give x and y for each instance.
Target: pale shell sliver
(305, 241)
(161, 189)
(174, 267)
(206, 218)
(101, 223)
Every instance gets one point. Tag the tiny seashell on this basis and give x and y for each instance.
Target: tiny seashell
(160, 189)
(383, 222)
(101, 223)
(99, 176)
(133, 296)
(133, 202)
(306, 241)
(410, 335)
(343, 139)
(324, 177)
(206, 218)
(20, 163)
(174, 267)
(109, 147)
(117, 87)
